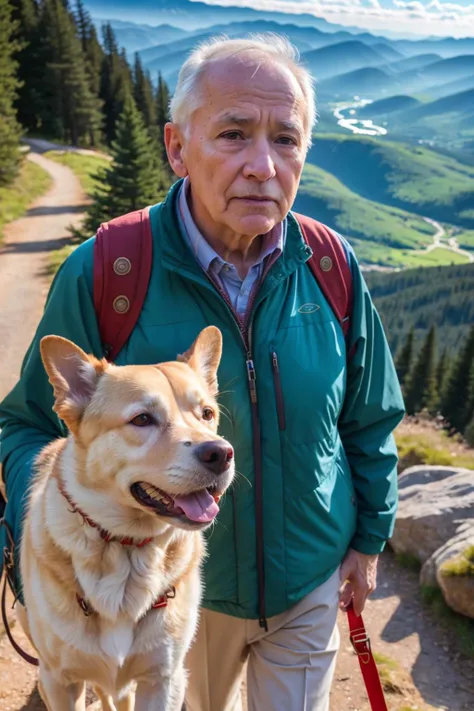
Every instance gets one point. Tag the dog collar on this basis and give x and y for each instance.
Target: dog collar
(161, 601)
(105, 535)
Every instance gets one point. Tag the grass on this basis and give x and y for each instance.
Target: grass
(464, 237)
(389, 672)
(408, 561)
(380, 234)
(461, 565)
(58, 256)
(422, 443)
(461, 627)
(400, 175)
(84, 166)
(31, 182)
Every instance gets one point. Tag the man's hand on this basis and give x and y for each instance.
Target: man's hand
(358, 579)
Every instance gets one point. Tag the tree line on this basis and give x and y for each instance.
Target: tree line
(58, 81)
(441, 385)
(419, 298)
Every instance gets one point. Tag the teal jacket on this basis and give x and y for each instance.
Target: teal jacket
(329, 478)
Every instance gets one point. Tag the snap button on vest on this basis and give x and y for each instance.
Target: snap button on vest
(122, 266)
(326, 264)
(121, 304)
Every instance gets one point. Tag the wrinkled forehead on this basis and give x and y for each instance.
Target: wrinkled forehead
(252, 76)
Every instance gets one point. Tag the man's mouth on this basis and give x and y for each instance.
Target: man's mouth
(199, 506)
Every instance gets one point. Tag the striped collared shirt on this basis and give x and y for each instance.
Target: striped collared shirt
(224, 273)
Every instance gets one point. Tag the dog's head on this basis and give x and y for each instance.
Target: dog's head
(147, 434)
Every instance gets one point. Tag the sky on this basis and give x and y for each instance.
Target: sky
(433, 17)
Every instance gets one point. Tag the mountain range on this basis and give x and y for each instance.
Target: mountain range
(412, 98)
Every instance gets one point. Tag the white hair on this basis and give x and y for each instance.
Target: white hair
(187, 97)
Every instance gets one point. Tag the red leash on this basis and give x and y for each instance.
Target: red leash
(361, 643)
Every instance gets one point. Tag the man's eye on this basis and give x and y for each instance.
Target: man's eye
(231, 135)
(287, 140)
(143, 420)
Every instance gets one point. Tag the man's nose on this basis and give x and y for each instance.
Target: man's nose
(215, 456)
(260, 163)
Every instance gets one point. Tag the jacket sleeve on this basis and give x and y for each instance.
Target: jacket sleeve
(27, 420)
(372, 409)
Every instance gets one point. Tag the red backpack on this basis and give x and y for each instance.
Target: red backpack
(122, 267)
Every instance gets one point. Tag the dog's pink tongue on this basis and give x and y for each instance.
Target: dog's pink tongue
(198, 507)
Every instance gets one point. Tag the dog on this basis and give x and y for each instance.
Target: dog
(112, 544)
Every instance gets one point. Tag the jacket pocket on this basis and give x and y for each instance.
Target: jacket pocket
(221, 576)
(280, 403)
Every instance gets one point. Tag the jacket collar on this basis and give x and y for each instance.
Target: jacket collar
(176, 254)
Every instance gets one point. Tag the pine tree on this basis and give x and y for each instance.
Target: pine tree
(116, 82)
(9, 127)
(74, 111)
(469, 433)
(420, 387)
(90, 44)
(143, 93)
(453, 395)
(441, 370)
(162, 114)
(135, 177)
(404, 357)
(31, 60)
(469, 407)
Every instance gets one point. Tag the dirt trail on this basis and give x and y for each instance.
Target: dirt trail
(431, 674)
(24, 259)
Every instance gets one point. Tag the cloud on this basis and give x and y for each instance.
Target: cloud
(434, 18)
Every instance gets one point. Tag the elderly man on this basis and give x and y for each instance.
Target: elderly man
(228, 252)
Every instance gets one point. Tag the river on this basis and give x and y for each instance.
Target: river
(344, 113)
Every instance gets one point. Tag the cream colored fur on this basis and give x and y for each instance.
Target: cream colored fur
(131, 654)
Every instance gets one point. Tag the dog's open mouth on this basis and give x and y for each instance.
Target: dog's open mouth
(200, 506)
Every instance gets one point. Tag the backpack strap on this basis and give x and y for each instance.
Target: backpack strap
(123, 253)
(122, 267)
(330, 267)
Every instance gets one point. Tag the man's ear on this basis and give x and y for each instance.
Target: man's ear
(74, 376)
(204, 356)
(174, 142)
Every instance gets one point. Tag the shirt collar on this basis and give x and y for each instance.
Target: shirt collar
(273, 241)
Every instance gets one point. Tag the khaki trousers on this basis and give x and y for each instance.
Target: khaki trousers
(289, 668)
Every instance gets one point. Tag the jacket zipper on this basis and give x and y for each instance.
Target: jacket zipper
(257, 459)
(280, 403)
(246, 335)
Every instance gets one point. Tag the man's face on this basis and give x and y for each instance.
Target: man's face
(245, 147)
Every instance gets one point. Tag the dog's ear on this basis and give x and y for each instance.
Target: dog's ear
(73, 374)
(204, 356)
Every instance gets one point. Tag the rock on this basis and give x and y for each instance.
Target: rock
(435, 524)
(452, 549)
(455, 576)
(433, 503)
(458, 593)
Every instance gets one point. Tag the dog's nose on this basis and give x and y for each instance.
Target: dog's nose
(216, 456)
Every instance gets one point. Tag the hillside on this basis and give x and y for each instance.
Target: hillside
(388, 106)
(370, 82)
(440, 296)
(416, 62)
(381, 234)
(341, 58)
(416, 179)
(462, 103)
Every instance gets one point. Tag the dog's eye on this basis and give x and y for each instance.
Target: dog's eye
(142, 420)
(208, 414)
